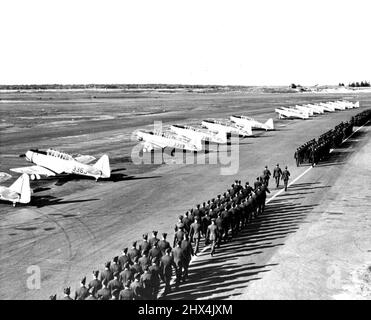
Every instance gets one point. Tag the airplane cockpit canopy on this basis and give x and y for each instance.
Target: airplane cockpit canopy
(58, 154)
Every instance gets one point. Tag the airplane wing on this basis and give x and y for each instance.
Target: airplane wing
(4, 176)
(34, 170)
(85, 159)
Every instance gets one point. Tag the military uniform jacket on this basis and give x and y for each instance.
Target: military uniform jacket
(144, 261)
(132, 253)
(195, 231)
(114, 284)
(266, 173)
(212, 232)
(179, 257)
(163, 245)
(285, 175)
(277, 172)
(155, 252)
(126, 294)
(137, 288)
(136, 268)
(187, 249)
(155, 271)
(126, 275)
(144, 246)
(123, 260)
(166, 265)
(81, 293)
(106, 275)
(153, 240)
(104, 294)
(96, 284)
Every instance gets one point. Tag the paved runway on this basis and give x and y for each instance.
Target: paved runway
(72, 229)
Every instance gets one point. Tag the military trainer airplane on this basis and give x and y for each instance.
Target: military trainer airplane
(203, 134)
(52, 162)
(226, 126)
(289, 113)
(244, 120)
(161, 140)
(19, 191)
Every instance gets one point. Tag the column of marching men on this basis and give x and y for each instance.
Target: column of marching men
(138, 272)
(314, 151)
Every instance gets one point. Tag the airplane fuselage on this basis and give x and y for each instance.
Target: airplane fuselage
(226, 127)
(62, 164)
(193, 133)
(151, 139)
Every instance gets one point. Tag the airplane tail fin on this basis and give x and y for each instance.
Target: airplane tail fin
(103, 165)
(22, 186)
(269, 124)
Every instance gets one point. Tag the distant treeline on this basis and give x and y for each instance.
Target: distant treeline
(356, 84)
(116, 86)
(359, 84)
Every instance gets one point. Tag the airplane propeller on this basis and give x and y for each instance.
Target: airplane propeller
(22, 155)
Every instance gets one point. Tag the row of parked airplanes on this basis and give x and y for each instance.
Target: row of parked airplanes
(190, 138)
(53, 163)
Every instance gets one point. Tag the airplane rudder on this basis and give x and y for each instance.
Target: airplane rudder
(103, 165)
(269, 123)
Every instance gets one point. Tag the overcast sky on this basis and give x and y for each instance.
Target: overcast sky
(271, 42)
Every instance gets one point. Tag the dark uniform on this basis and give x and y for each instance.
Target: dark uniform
(133, 252)
(195, 233)
(277, 172)
(95, 284)
(127, 293)
(146, 280)
(145, 245)
(266, 175)
(163, 244)
(155, 252)
(104, 293)
(179, 260)
(124, 258)
(82, 292)
(137, 288)
(154, 239)
(126, 275)
(212, 235)
(115, 284)
(106, 274)
(257, 183)
(166, 267)
(154, 269)
(188, 253)
(285, 177)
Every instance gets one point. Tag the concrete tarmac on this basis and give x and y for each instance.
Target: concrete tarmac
(69, 230)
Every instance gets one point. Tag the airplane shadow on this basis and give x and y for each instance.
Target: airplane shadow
(47, 200)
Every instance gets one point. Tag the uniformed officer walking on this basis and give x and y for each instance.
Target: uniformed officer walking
(266, 175)
(82, 292)
(166, 269)
(277, 172)
(212, 235)
(95, 284)
(195, 234)
(285, 177)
